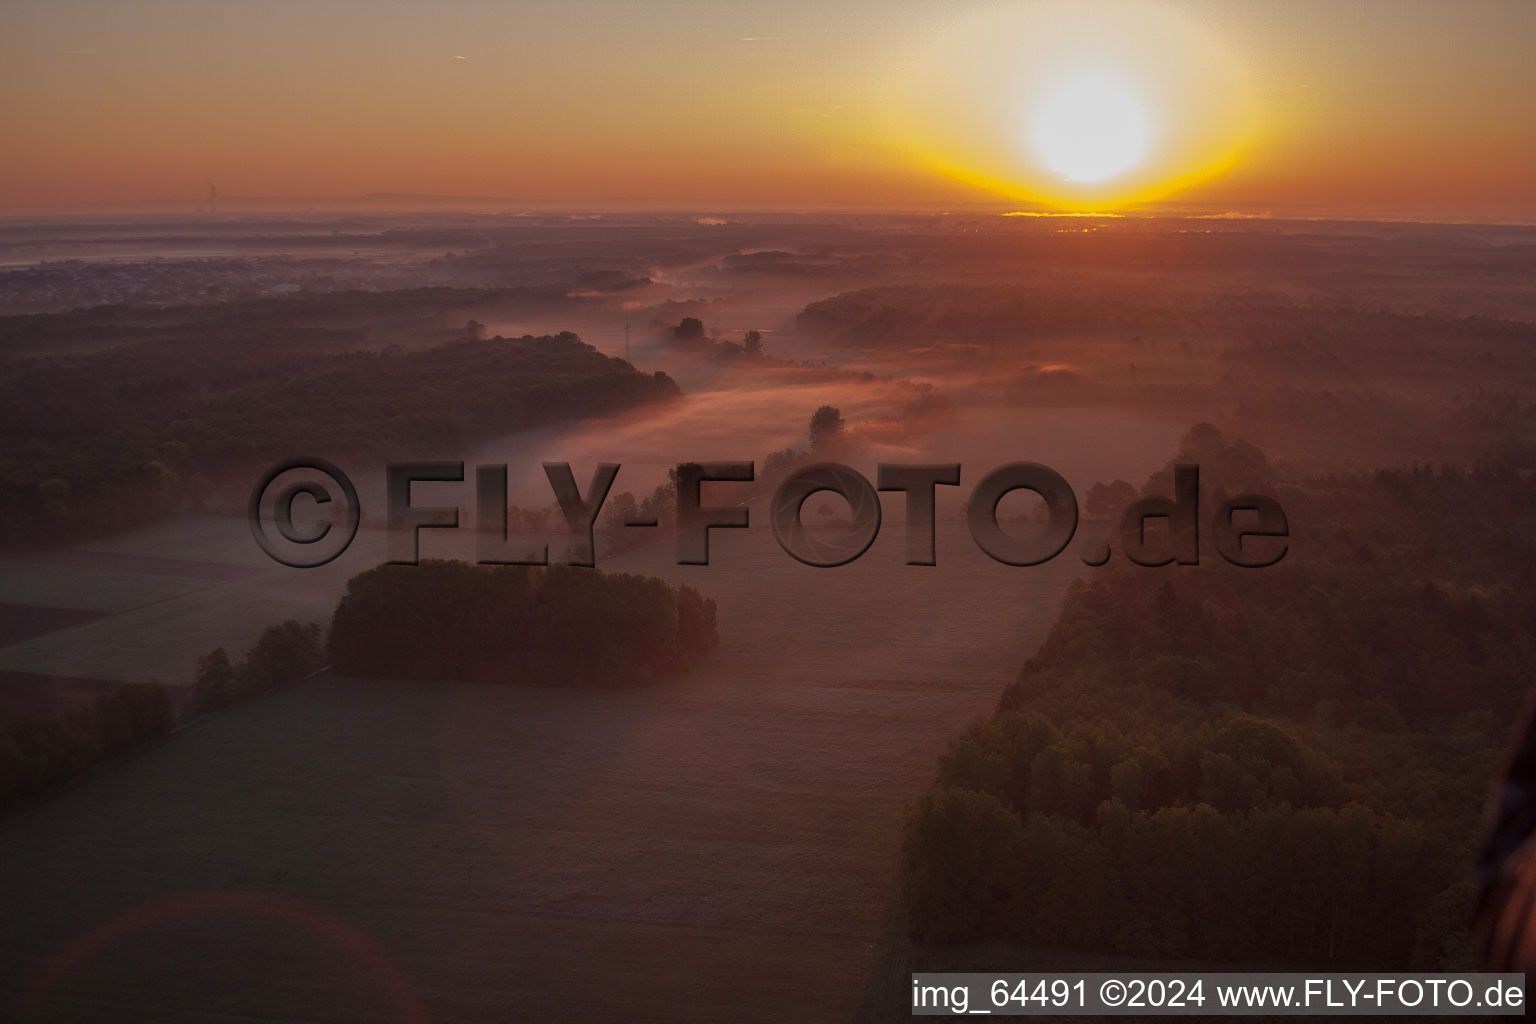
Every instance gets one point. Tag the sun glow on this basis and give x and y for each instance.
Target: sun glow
(1088, 105)
(1091, 129)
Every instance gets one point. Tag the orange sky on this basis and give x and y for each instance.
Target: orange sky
(1423, 109)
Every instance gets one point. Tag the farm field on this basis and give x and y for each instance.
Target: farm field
(716, 848)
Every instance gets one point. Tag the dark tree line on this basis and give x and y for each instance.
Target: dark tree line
(1350, 885)
(95, 443)
(1285, 764)
(557, 626)
(41, 750)
(282, 656)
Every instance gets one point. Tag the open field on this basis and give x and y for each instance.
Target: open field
(713, 853)
(718, 848)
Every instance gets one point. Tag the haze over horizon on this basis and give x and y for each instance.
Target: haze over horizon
(1414, 111)
(1060, 502)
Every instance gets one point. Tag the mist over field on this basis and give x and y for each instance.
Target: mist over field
(702, 511)
(591, 795)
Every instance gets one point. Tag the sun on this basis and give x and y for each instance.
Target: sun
(1091, 128)
(1073, 105)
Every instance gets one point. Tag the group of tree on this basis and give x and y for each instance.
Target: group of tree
(283, 655)
(556, 626)
(1349, 885)
(436, 620)
(689, 334)
(40, 750)
(1261, 326)
(95, 442)
(827, 438)
(1285, 764)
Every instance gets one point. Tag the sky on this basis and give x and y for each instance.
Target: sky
(1336, 107)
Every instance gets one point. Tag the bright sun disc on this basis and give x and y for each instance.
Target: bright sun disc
(1077, 105)
(1091, 129)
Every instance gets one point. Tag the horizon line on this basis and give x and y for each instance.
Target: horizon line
(429, 202)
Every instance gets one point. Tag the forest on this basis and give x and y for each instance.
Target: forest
(1331, 385)
(1277, 765)
(561, 625)
(99, 440)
